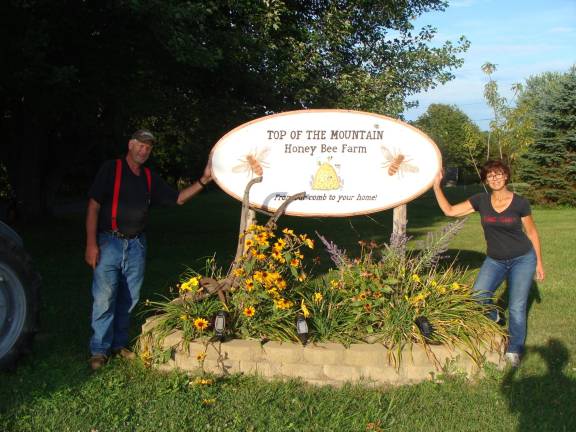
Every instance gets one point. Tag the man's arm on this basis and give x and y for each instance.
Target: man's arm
(92, 252)
(187, 193)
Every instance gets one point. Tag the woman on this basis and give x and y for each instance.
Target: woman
(512, 253)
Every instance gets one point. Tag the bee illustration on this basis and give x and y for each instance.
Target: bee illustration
(253, 163)
(397, 163)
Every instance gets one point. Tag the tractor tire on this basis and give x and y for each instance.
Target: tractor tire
(19, 303)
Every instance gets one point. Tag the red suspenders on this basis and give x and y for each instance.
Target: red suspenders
(117, 181)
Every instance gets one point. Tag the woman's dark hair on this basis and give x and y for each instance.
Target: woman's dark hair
(494, 166)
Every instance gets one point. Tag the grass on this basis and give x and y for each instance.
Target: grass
(53, 390)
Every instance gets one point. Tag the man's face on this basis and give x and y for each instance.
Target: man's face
(139, 151)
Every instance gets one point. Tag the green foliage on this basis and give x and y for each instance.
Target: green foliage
(550, 165)
(83, 75)
(458, 137)
(510, 128)
(378, 297)
(54, 390)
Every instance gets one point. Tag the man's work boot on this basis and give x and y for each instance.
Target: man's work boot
(125, 353)
(97, 361)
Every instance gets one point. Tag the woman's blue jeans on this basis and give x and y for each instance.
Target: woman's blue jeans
(118, 277)
(518, 272)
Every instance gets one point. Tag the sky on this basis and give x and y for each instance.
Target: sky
(522, 37)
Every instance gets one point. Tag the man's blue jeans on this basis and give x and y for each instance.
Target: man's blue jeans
(116, 287)
(518, 272)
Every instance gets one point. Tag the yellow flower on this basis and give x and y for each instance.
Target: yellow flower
(283, 303)
(250, 311)
(298, 255)
(281, 284)
(309, 243)
(304, 309)
(202, 381)
(318, 297)
(258, 276)
(201, 324)
(184, 317)
(334, 283)
(278, 256)
(455, 286)
(294, 262)
(416, 278)
(433, 283)
(239, 272)
(260, 257)
(362, 295)
(189, 284)
(208, 401)
(249, 283)
(288, 231)
(441, 289)
(262, 237)
(249, 243)
(302, 277)
(200, 356)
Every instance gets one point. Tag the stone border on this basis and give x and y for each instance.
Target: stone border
(320, 363)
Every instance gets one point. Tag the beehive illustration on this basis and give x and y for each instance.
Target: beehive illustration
(326, 178)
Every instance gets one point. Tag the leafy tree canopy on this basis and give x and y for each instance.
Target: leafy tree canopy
(77, 76)
(457, 136)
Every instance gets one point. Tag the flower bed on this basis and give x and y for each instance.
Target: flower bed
(400, 301)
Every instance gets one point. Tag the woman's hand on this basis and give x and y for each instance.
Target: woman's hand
(540, 274)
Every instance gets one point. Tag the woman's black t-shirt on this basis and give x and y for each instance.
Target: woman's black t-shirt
(503, 231)
(134, 199)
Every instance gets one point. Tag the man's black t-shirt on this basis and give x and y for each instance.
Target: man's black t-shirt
(134, 199)
(503, 231)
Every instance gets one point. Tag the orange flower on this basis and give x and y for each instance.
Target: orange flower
(200, 324)
(294, 262)
(250, 311)
(249, 283)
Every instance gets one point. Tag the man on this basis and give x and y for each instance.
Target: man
(119, 199)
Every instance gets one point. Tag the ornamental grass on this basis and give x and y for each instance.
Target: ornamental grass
(390, 294)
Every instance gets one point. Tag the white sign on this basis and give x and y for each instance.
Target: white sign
(347, 162)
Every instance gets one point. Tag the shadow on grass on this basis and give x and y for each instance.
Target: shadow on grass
(543, 402)
(465, 258)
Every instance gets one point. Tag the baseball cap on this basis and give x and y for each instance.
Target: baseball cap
(144, 136)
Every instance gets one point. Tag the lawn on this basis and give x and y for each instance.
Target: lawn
(53, 389)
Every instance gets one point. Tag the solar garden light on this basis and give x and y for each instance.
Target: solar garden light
(220, 324)
(302, 328)
(424, 326)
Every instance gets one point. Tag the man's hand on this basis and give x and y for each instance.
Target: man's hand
(207, 174)
(92, 255)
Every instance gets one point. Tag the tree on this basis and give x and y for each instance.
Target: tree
(510, 128)
(549, 167)
(78, 76)
(458, 137)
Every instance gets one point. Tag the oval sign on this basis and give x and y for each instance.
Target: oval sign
(347, 162)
